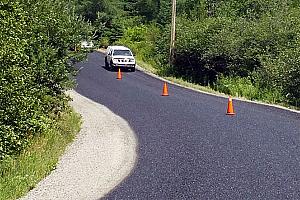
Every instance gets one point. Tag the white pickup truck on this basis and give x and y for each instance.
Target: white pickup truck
(119, 57)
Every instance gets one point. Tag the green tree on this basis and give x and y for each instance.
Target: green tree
(35, 38)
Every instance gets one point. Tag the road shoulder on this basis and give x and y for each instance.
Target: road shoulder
(102, 155)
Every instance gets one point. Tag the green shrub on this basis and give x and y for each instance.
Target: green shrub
(104, 42)
(244, 87)
(142, 39)
(237, 86)
(262, 46)
(35, 37)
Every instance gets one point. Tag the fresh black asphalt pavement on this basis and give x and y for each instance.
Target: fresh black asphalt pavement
(188, 148)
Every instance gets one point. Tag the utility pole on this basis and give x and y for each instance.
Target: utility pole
(173, 29)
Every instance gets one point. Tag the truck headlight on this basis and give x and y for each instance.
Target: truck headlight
(131, 60)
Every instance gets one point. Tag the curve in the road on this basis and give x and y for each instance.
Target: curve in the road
(189, 149)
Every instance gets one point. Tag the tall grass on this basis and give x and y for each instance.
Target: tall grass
(244, 87)
(237, 86)
(20, 174)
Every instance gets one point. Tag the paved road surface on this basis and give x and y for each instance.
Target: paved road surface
(189, 149)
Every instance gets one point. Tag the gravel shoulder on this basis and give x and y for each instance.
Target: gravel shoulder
(102, 155)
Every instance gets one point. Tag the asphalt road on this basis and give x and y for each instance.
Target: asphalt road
(189, 149)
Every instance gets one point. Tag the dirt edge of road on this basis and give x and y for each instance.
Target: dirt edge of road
(101, 157)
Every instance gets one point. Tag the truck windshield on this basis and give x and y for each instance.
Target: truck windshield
(122, 53)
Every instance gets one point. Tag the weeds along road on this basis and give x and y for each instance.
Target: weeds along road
(189, 149)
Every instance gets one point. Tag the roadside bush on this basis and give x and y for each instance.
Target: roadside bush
(264, 49)
(34, 37)
(141, 39)
(236, 86)
(104, 42)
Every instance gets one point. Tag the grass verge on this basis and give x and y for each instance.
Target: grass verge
(149, 68)
(268, 97)
(182, 82)
(22, 173)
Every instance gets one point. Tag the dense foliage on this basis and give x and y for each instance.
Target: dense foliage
(255, 41)
(35, 38)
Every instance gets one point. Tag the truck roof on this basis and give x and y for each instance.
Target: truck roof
(118, 47)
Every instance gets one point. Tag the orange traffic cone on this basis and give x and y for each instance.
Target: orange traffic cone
(165, 90)
(230, 110)
(119, 75)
